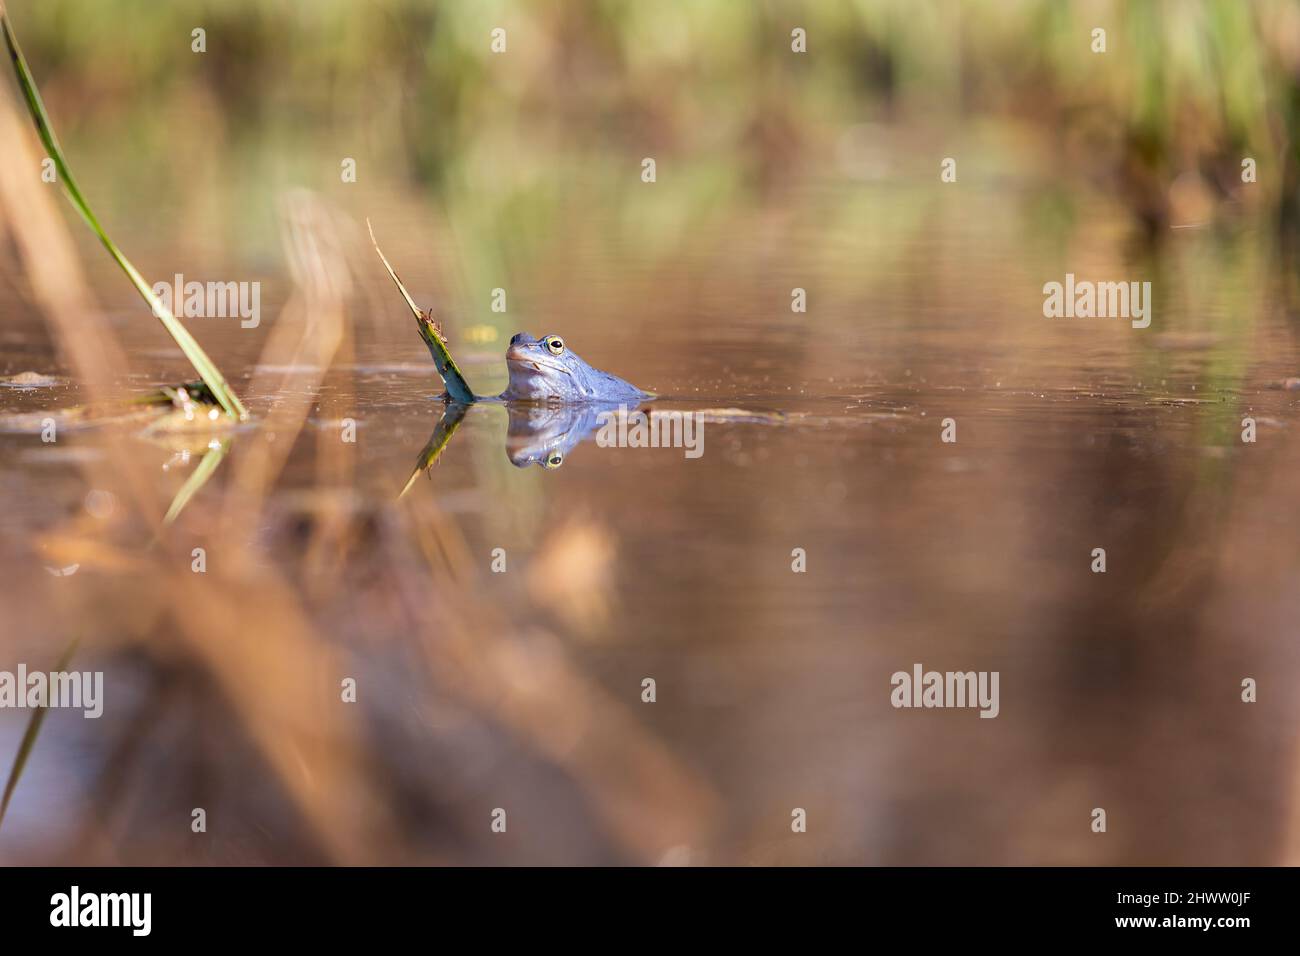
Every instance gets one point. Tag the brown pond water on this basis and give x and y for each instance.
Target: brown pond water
(523, 690)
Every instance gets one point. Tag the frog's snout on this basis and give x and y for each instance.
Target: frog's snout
(519, 346)
(526, 350)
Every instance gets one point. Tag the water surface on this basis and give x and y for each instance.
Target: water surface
(523, 690)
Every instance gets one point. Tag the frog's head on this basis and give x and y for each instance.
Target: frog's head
(545, 369)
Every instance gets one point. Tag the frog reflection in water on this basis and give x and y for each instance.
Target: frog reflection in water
(545, 434)
(538, 433)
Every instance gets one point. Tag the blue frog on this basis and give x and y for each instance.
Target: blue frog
(547, 370)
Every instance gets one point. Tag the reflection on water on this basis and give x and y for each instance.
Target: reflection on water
(523, 689)
(538, 433)
(545, 435)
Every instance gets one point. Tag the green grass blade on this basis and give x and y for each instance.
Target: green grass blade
(211, 376)
(438, 441)
(202, 472)
(33, 730)
(20, 759)
(457, 387)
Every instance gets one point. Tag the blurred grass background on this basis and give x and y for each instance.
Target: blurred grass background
(710, 89)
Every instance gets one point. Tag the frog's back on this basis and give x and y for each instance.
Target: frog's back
(610, 388)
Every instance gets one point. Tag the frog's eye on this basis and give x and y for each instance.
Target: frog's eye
(555, 461)
(555, 344)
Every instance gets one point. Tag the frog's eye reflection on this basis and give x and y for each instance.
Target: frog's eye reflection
(555, 344)
(555, 461)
